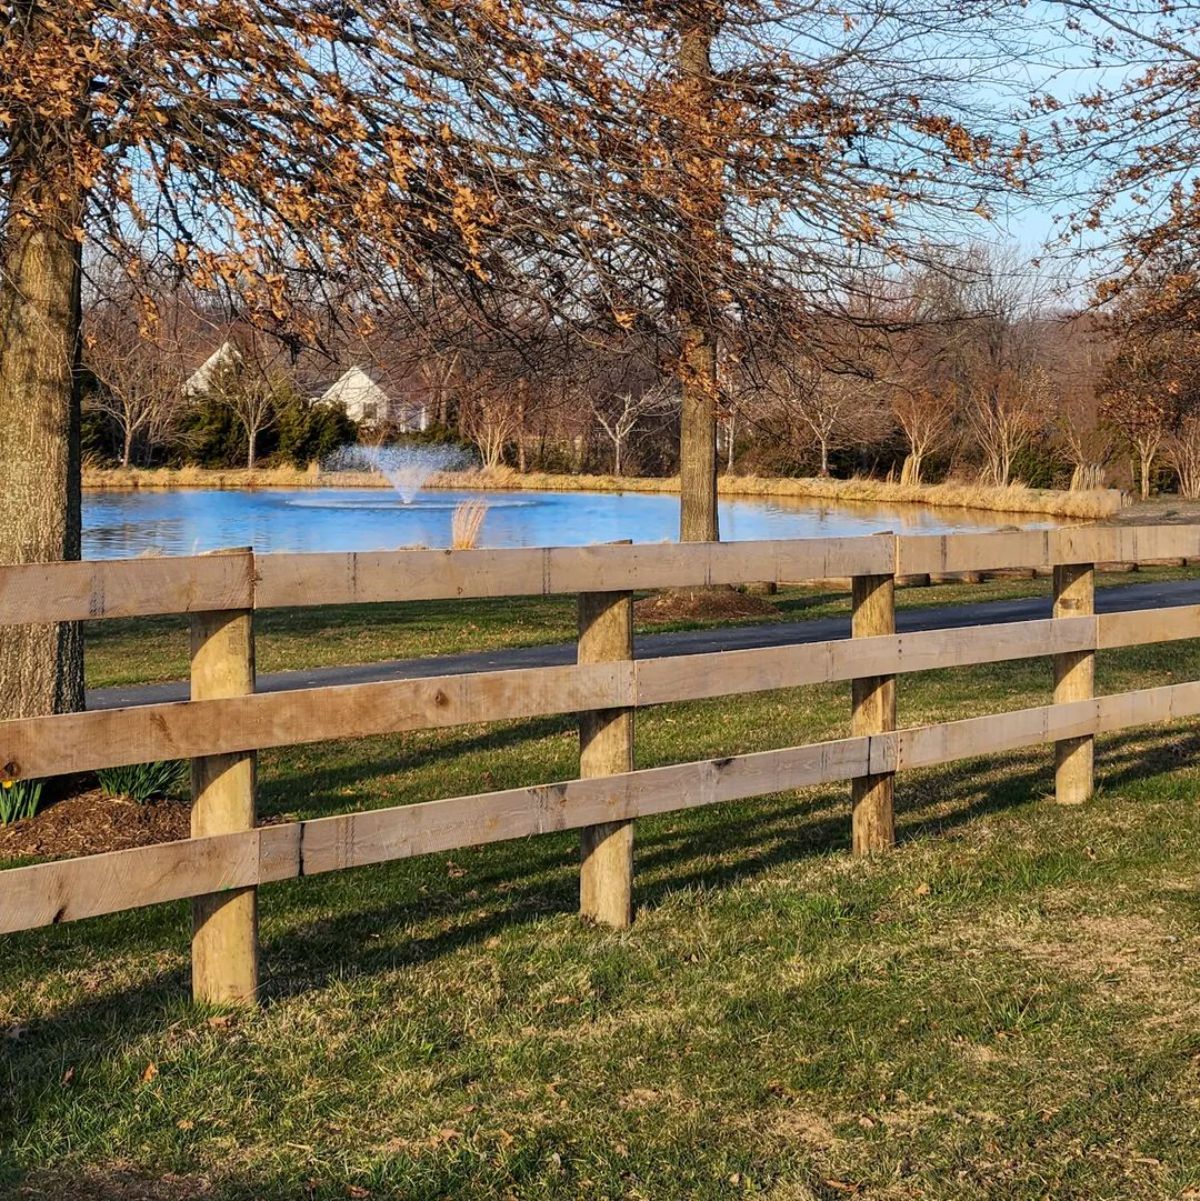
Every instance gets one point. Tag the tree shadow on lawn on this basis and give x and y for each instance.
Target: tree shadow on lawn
(691, 849)
(520, 882)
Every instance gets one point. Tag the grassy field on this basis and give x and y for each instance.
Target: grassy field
(1005, 1006)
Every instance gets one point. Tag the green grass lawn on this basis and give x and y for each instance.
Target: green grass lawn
(1004, 1006)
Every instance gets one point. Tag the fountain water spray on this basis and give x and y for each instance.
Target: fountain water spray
(406, 468)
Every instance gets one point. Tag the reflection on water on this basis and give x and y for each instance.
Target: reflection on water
(190, 520)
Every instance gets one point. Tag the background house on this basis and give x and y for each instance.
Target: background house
(368, 404)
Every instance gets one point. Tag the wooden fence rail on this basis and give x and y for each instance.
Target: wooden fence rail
(225, 723)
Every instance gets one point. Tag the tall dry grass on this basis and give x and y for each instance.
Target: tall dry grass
(467, 524)
(1014, 499)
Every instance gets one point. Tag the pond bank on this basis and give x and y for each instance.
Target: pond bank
(1014, 499)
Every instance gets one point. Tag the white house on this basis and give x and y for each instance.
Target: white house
(368, 404)
(225, 357)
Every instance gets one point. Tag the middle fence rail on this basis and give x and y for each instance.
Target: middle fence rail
(226, 722)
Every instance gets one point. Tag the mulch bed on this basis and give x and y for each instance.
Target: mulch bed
(90, 822)
(701, 604)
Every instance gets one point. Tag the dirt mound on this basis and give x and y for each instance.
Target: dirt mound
(90, 822)
(701, 604)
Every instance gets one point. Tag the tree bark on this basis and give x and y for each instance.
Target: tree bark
(41, 667)
(697, 339)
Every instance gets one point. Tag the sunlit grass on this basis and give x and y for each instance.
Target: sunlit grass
(1004, 1006)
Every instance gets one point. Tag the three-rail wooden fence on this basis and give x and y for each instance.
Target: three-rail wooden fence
(221, 866)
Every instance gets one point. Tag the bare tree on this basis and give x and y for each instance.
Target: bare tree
(491, 419)
(926, 416)
(138, 370)
(1087, 442)
(1182, 450)
(1005, 414)
(620, 414)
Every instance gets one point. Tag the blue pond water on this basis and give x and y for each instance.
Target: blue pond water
(187, 521)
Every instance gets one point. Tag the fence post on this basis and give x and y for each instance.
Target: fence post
(874, 712)
(225, 924)
(605, 749)
(1074, 678)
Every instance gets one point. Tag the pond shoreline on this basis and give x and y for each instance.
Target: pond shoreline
(1014, 499)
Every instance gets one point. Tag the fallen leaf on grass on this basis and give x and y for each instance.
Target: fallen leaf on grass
(150, 1073)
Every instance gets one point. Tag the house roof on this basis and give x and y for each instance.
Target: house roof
(355, 389)
(226, 355)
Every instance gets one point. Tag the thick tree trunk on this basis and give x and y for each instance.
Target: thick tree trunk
(41, 667)
(697, 338)
(698, 439)
(127, 446)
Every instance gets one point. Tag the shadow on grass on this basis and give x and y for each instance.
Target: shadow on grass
(513, 884)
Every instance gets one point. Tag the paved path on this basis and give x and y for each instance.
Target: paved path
(688, 642)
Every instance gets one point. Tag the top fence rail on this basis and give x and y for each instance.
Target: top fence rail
(51, 592)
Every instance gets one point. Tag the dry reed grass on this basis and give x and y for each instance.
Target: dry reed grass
(1014, 499)
(467, 524)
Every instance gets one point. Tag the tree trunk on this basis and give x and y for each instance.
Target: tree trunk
(127, 446)
(522, 405)
(697, 338)
(824, 459)
(698, 439)
(1146, 462)
(251, 447)
(41, 667)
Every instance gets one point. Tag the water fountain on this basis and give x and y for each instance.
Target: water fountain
(406, 468)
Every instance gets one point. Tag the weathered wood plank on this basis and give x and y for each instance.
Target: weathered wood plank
(1147, 626)
(50, 592)
(45, 893)
(922, 553)
(926, 746)
(726, 673)
(358, 839)
(56, 745)
(324, 579)
(122, 588)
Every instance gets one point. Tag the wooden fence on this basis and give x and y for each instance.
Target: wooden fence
(226, 722)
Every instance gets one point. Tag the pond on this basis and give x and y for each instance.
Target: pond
(192, 520)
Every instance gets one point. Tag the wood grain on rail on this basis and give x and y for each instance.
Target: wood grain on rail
(43, 894)
(32, 593)
(46, 746)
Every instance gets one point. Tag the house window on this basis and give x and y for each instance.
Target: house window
(370, 412)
